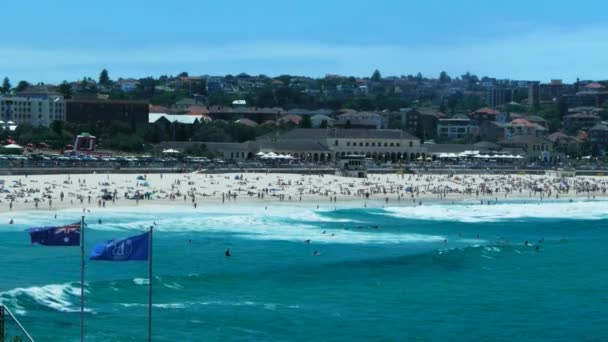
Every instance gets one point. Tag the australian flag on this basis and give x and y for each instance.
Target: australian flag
(131, 248)
(68, 235)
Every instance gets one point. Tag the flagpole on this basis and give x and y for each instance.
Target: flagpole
(82, 279)
(150, 285)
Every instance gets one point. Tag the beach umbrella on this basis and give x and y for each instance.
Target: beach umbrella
(13, 146)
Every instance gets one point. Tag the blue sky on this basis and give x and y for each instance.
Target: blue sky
(520, 39)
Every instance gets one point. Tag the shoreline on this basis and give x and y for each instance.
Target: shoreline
(322, 191)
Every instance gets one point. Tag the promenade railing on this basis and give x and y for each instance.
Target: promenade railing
(10, 328)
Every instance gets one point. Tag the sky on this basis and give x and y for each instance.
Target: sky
(52, 41)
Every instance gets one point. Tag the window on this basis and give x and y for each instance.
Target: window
(361, 143)
(397, 144)
(348, 143)
(411, 144)
(336, 143)
(366, 144)
(392, 144)
(385, 144)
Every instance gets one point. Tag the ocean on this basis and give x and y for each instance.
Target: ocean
(438, 272)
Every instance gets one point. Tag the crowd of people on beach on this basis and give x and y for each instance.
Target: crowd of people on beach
(61, 191)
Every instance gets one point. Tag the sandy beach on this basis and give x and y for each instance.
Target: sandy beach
(88, 191)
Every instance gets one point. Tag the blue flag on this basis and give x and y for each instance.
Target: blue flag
(68, 235)
(131, 248)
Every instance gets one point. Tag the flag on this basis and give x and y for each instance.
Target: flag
(68, 235)
(131, 248)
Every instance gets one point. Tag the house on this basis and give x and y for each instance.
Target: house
(290, 119)
(566, 143)
(361, 120)
(186, 103)
(128, 85)
(522, 126)
(428, 121)
(317, 120)
(598, 137)
(457, 127)
(536, 148)
(580, 121)
(484, 117)
(247, 122)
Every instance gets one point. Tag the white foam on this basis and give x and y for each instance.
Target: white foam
(141, 281)
(183, 305)
(54, 296)
(587, 210)
(280, 223)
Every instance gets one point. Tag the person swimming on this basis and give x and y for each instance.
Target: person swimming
(227, 253)
(307, 241)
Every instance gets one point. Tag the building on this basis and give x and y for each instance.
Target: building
(580, 121)
(317, 120)
(36, 109)
(410, 120)
(179, 118)
(548, 92)
(127, 86)
(458, 127)
(352, 166)
(428, 121)
(522, 126)
(361, 120)
(536, 148)
(598, 137)
(587, 98)
(105, 111)
(496, 96)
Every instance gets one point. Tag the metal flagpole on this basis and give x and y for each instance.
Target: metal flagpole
(150, 285)
(82, 279)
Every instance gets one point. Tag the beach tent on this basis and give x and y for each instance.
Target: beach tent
(518, 157)
(13, 146)
(260, 154)
(145, 184)
(170, 151)
(140, 178)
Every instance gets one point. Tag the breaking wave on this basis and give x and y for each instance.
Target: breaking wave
(581, 210)
(58, 297)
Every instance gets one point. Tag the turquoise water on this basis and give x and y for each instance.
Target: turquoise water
(394, 282)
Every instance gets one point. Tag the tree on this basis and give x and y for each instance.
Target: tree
(324, 124)
(104, 78)
(65, 89)
(6, 86)
(444, 78)
(183, 74)
(376, 77)
(22, 86)
(306, 123)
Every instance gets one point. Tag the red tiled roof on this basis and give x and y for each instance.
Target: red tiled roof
(157, 109)
(487, 110)
(594, 86)
(197, 110)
